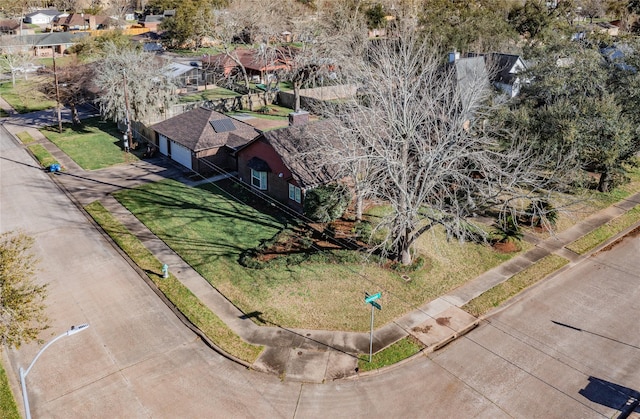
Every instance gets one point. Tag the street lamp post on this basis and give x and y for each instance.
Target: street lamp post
(23, 373)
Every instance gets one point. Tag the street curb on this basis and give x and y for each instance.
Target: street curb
(424, 352)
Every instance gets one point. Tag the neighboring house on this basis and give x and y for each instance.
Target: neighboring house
(258, 69)
(13, 27)
(281, 162)
(43, 45)
(80, 22)
(151, 21)
(471, 81)
(41, 17)
(202, 138)
(504, 71)
(183, 75)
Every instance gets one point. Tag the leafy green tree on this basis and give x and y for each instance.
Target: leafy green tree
(22, 308)
(572, 104)
(479, 25)
(326, 203)
(375, 16)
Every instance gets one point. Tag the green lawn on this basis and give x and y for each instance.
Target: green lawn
(93, 145)
(497, 295)
(25, 97)
(211, 231)
(402, 349)
(3, 113)
(42, 155)
(605, 232)
(8, 407)
(211, 94)
(178, 294)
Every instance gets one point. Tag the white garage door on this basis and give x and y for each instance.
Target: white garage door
(163, 145)
(181, 154)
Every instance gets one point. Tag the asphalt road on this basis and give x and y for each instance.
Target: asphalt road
(568, 348)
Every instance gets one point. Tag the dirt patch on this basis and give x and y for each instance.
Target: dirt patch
(423, 329)
(505, 247)
(443, 321)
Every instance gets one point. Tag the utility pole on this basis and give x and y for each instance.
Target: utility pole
(128, 139)
(55, 78)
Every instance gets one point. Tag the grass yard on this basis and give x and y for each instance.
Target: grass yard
(25, 137)
(25, 97)
(8, 407)
(502, 292)
(42, 155)
(211, 231)
(3, 113)
(211, 94)
(178, 294)
(605, 232)
(93, 145)
(402, 349)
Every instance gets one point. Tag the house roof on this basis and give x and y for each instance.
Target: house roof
(10, 25)
(46, 12)
(50, 39)
(502, 67)
(297, 146)
(80, 19)
(177, 69)
(194, 130)
(249, 59)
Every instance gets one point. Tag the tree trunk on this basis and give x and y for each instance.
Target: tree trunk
(296, 96)
(359, 205)
(603, 183)
(75, 118)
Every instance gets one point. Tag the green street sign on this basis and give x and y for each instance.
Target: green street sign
(376, 305)
(372, 298)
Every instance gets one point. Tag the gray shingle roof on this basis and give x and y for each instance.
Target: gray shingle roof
(298, 146)
(193, 130)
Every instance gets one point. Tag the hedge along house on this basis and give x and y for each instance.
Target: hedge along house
(203, 140)
(284, 163)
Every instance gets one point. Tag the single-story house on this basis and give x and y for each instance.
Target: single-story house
(44, 44)
(281, 162)
(203, 140)
(504, 70)
(41, 17)
(258, 68)
(81, 22)
(13, 27)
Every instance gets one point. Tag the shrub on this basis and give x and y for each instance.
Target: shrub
(326, 203)
(507, 229)
(540, 211)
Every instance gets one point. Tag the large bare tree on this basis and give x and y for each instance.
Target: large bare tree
(16, 56)
(418, 138)
(71, 86)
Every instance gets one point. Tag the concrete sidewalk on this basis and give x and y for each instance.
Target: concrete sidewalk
(307, 355)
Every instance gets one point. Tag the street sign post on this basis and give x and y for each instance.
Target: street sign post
(371, 299)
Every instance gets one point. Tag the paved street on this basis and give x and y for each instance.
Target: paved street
(568, 348)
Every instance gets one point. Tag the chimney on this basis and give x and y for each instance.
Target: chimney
(298, 118)
(454, 56)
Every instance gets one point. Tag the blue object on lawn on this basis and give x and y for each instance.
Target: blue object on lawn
(54, 168)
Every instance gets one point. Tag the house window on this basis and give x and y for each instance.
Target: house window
(294, 193)
(259, 179)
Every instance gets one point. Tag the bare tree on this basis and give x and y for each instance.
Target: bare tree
(134, 86)
(74, 83)
(16, 56)
(591, 9)
(417, 134)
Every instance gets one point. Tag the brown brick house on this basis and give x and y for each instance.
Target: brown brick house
(282, 164)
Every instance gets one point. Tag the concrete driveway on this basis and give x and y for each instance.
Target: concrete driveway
(137, 360)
